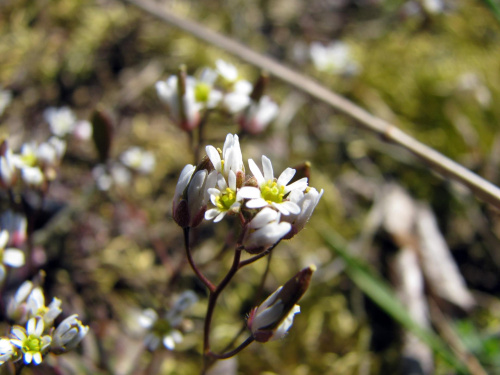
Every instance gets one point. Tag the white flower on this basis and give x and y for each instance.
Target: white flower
(307, 201)
(68, 334)
(36, 306)
(239, 98)
(17, 308)
(204, 91)
(62, 121)
(272, 192)
(9, 256)
(256, 118)
(7, 168)
(182, 303)
(16, 224)
(224, 198)
(264, 230)
(227, 71)
(138, 159)
(83, 130)
(160, 331)
(7, 350)
(32, 176)
(30, 340)
(187, 115)
(232, 159)
(335, 58)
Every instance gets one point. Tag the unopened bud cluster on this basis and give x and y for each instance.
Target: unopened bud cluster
(34, 333)
(269, 208)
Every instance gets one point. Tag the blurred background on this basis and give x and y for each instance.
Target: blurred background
(397, 246)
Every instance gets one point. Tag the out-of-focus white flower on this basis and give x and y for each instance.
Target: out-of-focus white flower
(273, 318)
(433, 6)
(68, 334)
(31, 341)
(9, 256)
(139, 160)
(16, 224)
(7, 350)
(472, 83)
(307, 201)
(181, 304)
(185, 112)
(5, 100)
(36, 306)
(32, 176)
(204, 91)
(258, 115)
(334, 58)
(7, 169)
(105, 178)
(227, 71)
(239, 97)
(62, 121)
(264, 230)
(83, 130)
(272, 192)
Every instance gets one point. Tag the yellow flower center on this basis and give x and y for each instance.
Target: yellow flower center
(202, 92)
(226, 200)
(32, 344)
(271, 192)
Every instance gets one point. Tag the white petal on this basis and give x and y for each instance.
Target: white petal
(264, 216)
(300, 185)
(37, 358)
(4, 239)
(291, 207)
(281, 208)
(210, 214)
(286, 176)
(256, 203)
(220, 217)
(256, 172)
(267, 166)
(214, 157)
(248, 192)
(232, 180)
(169, 342)
(13, 257)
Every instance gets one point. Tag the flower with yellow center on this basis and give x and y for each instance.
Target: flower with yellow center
(30, 340)
(224, 198)
(270, 191)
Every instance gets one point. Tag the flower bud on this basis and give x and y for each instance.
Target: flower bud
(191, 194)
(273, 318)
(256, 118)
(68, 334)
(264, 230)
(307, 202)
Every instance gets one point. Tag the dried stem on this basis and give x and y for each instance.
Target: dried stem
(482, 188)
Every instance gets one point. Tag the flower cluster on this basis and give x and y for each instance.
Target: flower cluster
(270, 208)
(334, 58)
(188, 98)
(34, 334)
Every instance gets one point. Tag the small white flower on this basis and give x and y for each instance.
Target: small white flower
(182, 303)
(68, 334)
(160, 331)
(36, 306)
(239, 98)
(256, 118)
(9, 256)
(204, 91)
(264, 230)
(7, 169)
(232, 159)
(224, 198)
(168, 92)
(32, 176)
(30, 340)
(227, 71)
(139, 160)
(16, 224)
(334, 58)
(7, 350)
(272, 192)
(62, 121)
(83, 130)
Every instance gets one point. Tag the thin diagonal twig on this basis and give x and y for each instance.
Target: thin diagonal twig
(482, 188)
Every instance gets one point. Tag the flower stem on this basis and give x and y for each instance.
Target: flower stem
(211, 287)
(257, 257)
(233, 352)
